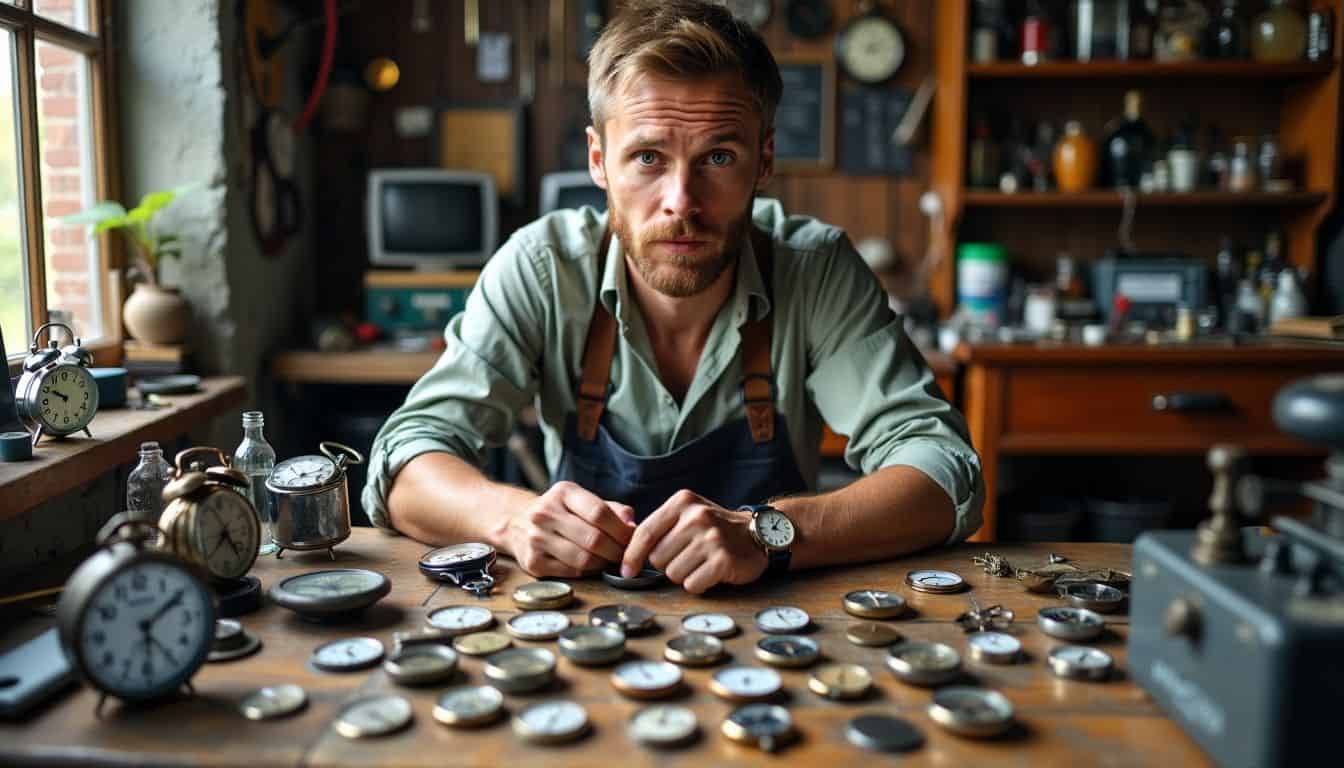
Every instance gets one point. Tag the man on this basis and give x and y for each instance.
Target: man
(681, 363)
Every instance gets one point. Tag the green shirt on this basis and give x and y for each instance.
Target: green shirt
(838, 352)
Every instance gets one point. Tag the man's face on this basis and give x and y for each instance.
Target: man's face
(681, 164)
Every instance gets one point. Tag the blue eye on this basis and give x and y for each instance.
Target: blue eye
(720, 157)
(647, 158)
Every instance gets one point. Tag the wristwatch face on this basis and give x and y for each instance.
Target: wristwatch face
(774, 529)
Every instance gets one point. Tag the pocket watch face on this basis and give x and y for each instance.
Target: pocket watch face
(468, 705)
(871, 49)
(748, 682)
(334, 583)
(457, 554)
(590, 638)
(647, 675)
(787, 650)
(303, 472)
(67, 399)
(348, 654)
(373, 716)
(993, 646)
(523, 662)
(461, 618)
(874, 603)
(551, 720)
(780, 619)
(226, 533)
(936, 581)
(716, 624)
(538, 625)
(662, 725)
(841, 681)
(146, 630)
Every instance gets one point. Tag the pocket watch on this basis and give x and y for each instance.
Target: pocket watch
(693, 650)
(460, 619)
(466, 565)
(519, 670)
(767, 726)
(1071, 624)
(782, 620)
(543, 595)
(874, 604)
(310, 498)
(1079, 662)
(934, 581)
(632, 619)
(537, 625)
(469, 706)
(56, 393)
(787, 651)
(332, 595)
(645, 679)
(273, 701)
(136, 622)
(481, 643)
(883, 733)
(374, 716)
(663, 726)
(232, 642)
(551, 722)
(841, 681)
(209, 519)
(716, 624)
(1091, 596)
(921, 663)
(421, 664)
(970, 711)
(743, 683)
(994, 647)
(872, 634)
(591, 646)
(870, 47)
(347, 655)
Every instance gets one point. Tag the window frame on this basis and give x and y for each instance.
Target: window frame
(28, 28)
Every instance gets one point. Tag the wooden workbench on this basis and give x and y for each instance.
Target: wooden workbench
(1062, 722)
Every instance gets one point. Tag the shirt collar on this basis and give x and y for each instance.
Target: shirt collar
(749, 284)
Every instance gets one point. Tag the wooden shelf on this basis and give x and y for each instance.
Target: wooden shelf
(59, 466)
(1107, 198)
(1066, 70)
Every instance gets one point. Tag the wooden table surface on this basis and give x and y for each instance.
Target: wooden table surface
(1065, 723)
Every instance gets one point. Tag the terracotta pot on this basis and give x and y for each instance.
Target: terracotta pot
(156, 315)
(1075, 160)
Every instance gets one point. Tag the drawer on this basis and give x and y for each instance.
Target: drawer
(1160, 409)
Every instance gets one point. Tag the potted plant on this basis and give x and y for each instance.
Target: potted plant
(153, 313)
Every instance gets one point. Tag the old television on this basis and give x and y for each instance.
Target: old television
(431, 218)
(571, 189)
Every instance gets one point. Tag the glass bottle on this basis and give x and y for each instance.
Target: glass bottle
(144, 486)
(1129, 145)
(1227, 34)
(983, 155)
(1278, 34)
(256, 458)
(1142, 28)
(1034, 38)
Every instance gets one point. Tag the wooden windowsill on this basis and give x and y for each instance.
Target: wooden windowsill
(59, 466)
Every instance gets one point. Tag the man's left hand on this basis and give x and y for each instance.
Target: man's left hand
(697, 544)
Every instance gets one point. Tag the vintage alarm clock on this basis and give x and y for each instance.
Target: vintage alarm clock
(870, 48)
(311, 499)
(208, 520)
(56, 394)
(136, 621)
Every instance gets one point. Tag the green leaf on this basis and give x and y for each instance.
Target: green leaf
(153, 203)
(112, 223)
(95, 214)
(167, 240)
(176, 253)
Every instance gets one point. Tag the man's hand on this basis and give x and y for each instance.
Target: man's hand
(568, 532)
(697, 544)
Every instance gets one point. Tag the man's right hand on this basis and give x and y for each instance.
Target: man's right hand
(568, 532)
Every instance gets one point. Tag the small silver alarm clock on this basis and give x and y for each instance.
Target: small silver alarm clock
(311, 499)
(56, 394)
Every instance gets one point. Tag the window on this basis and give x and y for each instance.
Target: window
(54, 161)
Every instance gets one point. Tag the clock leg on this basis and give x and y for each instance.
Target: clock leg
(37, 436)
(98, 710)
(87, 432)
(279, 552)
(332, 551)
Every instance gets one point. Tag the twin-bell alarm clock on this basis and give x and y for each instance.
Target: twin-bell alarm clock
(56, 394)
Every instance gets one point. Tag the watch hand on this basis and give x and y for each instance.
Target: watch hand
(166, 607)
(62, 396)
(162, 649)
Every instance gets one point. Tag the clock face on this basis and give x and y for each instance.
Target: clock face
(333, 584)
(146, 630)
(553, 718)
(67, 399)
(456, 555)
(227, 533)
(303, 472)
(782, 618)
(753, 682)
(871, 49)
(775, 529)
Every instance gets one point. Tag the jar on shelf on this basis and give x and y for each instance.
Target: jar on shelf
(1241, 166)
(1279, 34)
(1075, 160)
(1269, 163)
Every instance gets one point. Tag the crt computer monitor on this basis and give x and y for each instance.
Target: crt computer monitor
(571, 189)
(431, 218)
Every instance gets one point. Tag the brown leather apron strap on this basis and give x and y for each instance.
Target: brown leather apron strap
(757, 380)
(598, 350)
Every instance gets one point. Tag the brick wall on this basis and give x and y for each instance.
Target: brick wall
(67, 174)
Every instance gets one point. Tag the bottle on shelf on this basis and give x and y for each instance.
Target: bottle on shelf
(1227, 273)
(987, 18)
(982, 156)
(1142, 28)
(1227, 34)
(1215, 159)
(1279, 33)
(144, 486)
(1183, 161)
(1129, 146)
(1288, 300)
(1250, 308)
(1035, 34)
(1040, 157)
(1075, 159)
(255, 458)
(1182, 27)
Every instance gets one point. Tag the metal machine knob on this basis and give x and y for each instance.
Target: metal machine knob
(1183, 619)
(1313, 410)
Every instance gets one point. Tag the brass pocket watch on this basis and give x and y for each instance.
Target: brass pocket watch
(209, 521)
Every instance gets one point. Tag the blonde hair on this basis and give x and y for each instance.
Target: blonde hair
(680, 39)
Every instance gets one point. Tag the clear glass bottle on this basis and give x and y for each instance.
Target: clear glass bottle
(256, 458)
(1227, 34)
(1279, 34)
(144, 486)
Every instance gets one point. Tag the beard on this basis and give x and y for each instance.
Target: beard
(680, 274)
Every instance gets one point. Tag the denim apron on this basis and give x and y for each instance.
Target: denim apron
(747, 461)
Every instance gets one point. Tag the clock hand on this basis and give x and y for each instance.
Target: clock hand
(166, 607)
(58, 393)
(162, 649)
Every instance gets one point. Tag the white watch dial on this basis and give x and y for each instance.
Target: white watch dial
(227, 534)
(460, 617)
(716, 624)
(303, 472)
(458, 553)
(554, 718)
(782, 619)
(995, 642)
(775, 529)
(749, 682)
(538, 624)
(873, 49)
(67, 399)
(648, 675)
(662, 724)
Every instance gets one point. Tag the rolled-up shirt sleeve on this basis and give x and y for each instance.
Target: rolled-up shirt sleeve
(871, 384)
(487, 373)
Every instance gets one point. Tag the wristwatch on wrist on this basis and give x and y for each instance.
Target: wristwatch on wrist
(774, 531)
